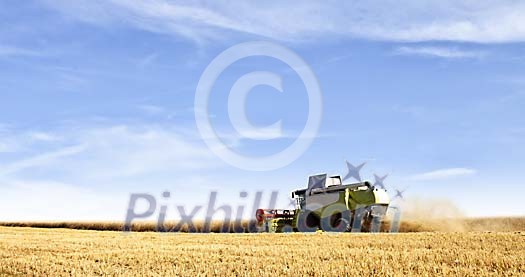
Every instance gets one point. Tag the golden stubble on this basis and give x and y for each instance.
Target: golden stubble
(65, 252)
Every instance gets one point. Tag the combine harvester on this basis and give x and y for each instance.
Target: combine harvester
(329, 205)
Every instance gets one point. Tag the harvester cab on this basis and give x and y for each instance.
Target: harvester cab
(329, 205)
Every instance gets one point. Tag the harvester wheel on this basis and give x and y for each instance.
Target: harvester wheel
(307, 221)
(339, 223)
(367, 221)
(344, 223)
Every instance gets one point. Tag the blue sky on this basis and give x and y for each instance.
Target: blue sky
(97, 101)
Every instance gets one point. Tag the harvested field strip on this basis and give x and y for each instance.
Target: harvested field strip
(58, 252)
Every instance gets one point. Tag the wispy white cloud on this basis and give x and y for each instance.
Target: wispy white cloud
(152, 109)
(12, 141)
(5, 146)
(40, 160)
(194, 110)
(513, 96)
(486, 22)
(91, 179)
(129, 150)
(44, 200)
(414, 111)
(442, 174)
(43, 136)
(9, 51)
(8, 145)
(107, 152)
(31, 200)
(147, 60)
(440, 52)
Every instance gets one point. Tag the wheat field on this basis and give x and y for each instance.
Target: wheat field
(64, 252)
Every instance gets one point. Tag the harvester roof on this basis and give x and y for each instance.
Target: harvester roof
(323, 184)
